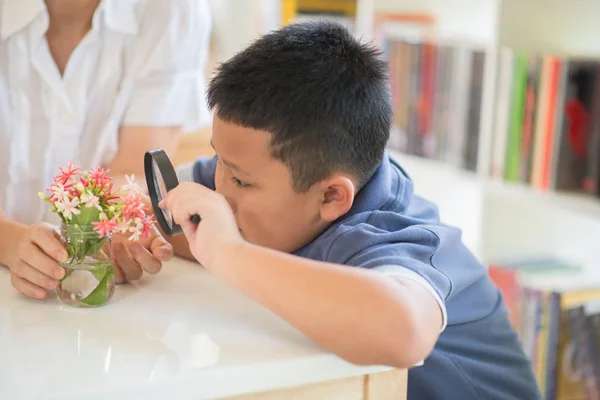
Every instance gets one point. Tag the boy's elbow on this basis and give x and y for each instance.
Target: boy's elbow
(407, 349)
(395, 348)
(407, 355)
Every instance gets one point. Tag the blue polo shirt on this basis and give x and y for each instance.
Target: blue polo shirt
(478, 355)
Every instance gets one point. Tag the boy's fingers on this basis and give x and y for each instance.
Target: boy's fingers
(27, 288)
(184, 208)
(164, 203)
(189, 230)
(184, 192)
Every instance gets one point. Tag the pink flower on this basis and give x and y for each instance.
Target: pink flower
(69, 194)
(131, 185)
(73, 192)
(108, 192)
(136, 229)
(90, 200)
(141, 227)
(106, 226)
(67, 207)
(99, 177)
(133, 207)
(66, 174)
(147, 223)
(58, 190)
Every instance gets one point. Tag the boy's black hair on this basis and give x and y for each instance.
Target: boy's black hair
(323, 95)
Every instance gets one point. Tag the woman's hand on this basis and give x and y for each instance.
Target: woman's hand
(133, 258)
(35, 266)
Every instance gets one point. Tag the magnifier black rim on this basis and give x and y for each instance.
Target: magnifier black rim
(162, 161)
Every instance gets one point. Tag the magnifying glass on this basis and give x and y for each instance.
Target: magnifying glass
(161, 178)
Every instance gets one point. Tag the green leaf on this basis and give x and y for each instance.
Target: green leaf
(99, 294)
(95, 246)
(86, 216)
(99, 274)
(82, 241)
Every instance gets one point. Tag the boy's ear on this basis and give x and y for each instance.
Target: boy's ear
(337, 197)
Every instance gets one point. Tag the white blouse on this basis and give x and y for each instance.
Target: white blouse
(141, 64)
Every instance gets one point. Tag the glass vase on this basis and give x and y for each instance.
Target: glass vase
(89, 279)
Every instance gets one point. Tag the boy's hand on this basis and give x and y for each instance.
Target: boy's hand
(217, 228)
(146, 254)
(35, 265)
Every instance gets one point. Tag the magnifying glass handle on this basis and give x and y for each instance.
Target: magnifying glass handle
(195, 219)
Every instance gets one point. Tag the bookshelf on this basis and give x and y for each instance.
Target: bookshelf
(505, 220)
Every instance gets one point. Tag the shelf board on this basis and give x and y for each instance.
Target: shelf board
(580, 203)
(416, 165)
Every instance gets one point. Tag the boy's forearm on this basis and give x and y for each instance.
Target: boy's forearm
(10, 233)
(356, 314)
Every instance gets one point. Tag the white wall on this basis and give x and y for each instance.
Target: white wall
(236, 23)
(458, 194)
(571, 26)
(509, 221)
(472, 20)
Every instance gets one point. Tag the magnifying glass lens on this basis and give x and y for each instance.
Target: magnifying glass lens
(161, 178)
(159, 184)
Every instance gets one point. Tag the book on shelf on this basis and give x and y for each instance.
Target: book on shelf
(554, 307)
(547, 121)
(545, 117)
(341, 11)
(585, 347)
(437, 94)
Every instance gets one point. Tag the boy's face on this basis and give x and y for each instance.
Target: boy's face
(268, 211)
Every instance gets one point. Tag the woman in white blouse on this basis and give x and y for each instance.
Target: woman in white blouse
(96, 82)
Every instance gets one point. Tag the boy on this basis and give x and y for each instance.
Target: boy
(302, 190)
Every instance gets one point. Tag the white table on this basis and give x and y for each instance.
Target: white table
(182, 334)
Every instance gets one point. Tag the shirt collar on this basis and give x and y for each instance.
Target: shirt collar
(119, 15)
(17, 14)
(389, 185)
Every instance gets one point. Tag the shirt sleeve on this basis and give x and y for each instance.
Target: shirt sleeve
(201, 171)
(168, 58)
(402, 272)
(414, 251)
(185, 172)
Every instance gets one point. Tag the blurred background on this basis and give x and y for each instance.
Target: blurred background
(497, 120)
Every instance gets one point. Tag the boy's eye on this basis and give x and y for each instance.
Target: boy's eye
(239, 183)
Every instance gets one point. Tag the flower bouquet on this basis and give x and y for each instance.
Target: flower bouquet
(91, 213)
